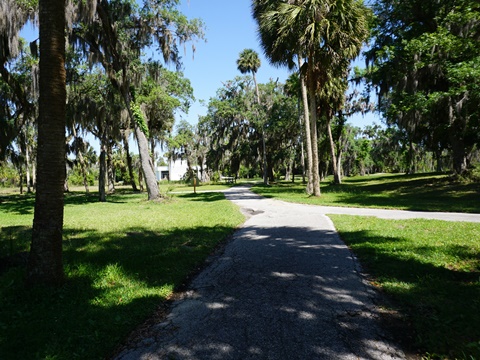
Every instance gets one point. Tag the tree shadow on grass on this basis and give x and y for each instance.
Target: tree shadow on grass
(204, 196)
(17, 204)
(441, 302)
(428, 198)
(24, 204)
(113, 284)
(13, 240)
(409, 192)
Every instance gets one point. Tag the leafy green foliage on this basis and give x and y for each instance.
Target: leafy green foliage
(229, 126)
(235, 125)
(76, 177)
(139, 119)
(8, 175)
(424, 62)
(162, 94)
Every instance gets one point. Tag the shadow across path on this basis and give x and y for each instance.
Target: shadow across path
(286, 287)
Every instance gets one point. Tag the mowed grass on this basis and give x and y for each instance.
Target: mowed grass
(431, 270)
(423, 192)
(122, 258)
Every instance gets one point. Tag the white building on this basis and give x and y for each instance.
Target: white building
(174, 171)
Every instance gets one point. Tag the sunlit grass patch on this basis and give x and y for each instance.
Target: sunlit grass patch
(122, 258)
(432, 271)
(118, 287)
(426, 192)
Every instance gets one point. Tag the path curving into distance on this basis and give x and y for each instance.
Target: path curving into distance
(286, 287)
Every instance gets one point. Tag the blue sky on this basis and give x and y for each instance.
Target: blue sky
(230, 29)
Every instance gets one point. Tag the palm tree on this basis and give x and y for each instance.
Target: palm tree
(249, 62)
(323, 32)
(281, 45)
(45, 259)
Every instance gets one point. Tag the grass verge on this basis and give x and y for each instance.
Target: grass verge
(423, 192)
(431, 269)
(122, 259)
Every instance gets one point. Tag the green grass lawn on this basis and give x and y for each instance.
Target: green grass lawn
(431, 270)
(122, 259)
(427, 192)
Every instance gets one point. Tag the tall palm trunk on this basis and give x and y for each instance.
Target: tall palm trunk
(313, 128)
(302, 150)
(264, 148)
(308, 137)
(45, 264)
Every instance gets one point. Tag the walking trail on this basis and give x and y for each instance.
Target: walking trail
(286, 287)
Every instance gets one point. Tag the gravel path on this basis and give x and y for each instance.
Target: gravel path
(286, 287)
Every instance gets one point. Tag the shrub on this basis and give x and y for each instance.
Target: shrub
(75, 177)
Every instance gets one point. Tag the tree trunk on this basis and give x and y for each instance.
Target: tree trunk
(336, 169)
(458, 154)
(27, 168)
(289, 170)
(140, 179)
(152, 152)
(45, 265)
(265, 175)
(302, 151)
(81, 160)
(102, 196)
(145, 159)
(110, 170)
(339, 165)
(314, 134)
(308, 136)
(20, 174)
(411, 158)
(129, 160)
(147, 165)
(438, 158)
(271, 175)
(458, 125)
(34, 176)
(264, 149)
